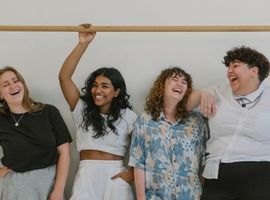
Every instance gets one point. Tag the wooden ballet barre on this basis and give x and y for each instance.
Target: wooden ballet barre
(137, 28)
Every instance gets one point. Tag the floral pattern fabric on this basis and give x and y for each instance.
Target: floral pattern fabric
(172, 156)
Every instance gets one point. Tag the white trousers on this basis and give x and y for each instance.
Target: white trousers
(93, 181)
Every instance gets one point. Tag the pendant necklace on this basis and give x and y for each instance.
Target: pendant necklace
(17, 122)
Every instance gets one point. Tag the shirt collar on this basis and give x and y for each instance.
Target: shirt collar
(253, 95)
(162, 117)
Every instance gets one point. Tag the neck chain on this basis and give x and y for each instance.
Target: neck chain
(16, 121)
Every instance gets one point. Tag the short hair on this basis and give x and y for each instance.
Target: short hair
(249, 56)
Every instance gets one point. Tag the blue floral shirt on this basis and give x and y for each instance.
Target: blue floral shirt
(171, 155)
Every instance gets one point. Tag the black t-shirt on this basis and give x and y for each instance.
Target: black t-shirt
(32, 144)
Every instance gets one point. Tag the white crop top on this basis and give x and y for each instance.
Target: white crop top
(111, 143)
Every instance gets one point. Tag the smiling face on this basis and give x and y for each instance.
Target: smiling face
(175, 88)
(243, 80)
(11, 88)
(103, 93)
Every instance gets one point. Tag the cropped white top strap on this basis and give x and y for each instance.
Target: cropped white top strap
(110, 143)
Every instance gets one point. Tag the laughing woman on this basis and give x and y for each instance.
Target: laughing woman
(35, 143)
(167, 147)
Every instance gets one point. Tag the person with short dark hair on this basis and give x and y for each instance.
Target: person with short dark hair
(238, 161)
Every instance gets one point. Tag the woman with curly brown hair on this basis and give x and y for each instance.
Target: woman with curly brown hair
(167, 146)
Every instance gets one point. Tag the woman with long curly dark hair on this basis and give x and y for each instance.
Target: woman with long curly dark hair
(104, 120)
(167, 146)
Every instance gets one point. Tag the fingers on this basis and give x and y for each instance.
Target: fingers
(116, 176)
(208, 110)
(7, 169)
(4, 171)
(86, 26)
(214, 111)
(208, 105)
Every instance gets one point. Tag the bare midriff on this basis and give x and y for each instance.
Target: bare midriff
(98, 155)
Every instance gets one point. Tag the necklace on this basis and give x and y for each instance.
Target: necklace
(17, 122)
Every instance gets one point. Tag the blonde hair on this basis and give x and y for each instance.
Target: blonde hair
(28, 103)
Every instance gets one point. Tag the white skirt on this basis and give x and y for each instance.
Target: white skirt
(93, 181)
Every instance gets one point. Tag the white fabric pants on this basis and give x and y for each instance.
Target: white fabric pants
(93, 181)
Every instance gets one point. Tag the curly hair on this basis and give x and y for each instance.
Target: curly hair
(154, 100)
(28, 103)
(91, 113)
(249, 56)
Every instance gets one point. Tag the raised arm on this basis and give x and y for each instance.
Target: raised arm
(69, 88)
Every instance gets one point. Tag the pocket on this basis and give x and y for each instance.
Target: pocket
(118, 189)
(123, 182)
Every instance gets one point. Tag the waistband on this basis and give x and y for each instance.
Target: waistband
(102, 163)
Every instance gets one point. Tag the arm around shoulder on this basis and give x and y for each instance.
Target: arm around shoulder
(206, 101)
(193, 100)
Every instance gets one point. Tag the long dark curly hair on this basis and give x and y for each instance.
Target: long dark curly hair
(249, 56)
(154, 100)
(91, 113)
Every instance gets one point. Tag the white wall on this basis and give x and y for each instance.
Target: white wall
(139, 56)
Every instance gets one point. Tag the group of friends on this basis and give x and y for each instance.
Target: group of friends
(208, 144)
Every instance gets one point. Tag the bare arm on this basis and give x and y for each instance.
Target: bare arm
(69, 88)
(139, 179)
(193, 100)
(62, 169)
(127, 176)
(206, 101)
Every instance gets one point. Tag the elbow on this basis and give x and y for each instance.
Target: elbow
(60, 76)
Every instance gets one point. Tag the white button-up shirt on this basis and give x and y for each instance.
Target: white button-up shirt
(236, 133)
